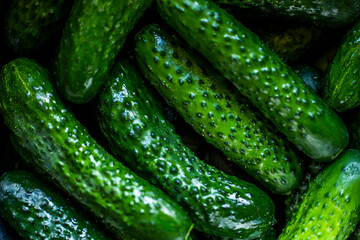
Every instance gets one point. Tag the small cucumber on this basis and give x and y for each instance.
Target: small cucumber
(331, 207)
(341, 83)
(38, 211)
(207, 102)
(57, 143)
(259, 74)
(93, 36)
(139, 134)
(328, 13)
(30, 23)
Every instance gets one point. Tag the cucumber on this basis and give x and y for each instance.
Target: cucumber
(341, 83)
(207, 102)
(93, 36)
(328, 13)
(38, 211)
(139, 134)
(331, 206)
(260, 75)
(311, 77)
(29, 24)
(58, 144)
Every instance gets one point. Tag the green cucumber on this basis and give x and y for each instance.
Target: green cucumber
(29, 24)
(331, 207)
(207, 102)
(93, 36)
(139, 134)
(341, 83)
(329, 13)
(38, 211)
(58, 144)
(260, 75)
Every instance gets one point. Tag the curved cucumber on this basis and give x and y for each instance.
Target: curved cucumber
(57, 143)
(37, 211)
(331, 207)
(260, 75)
(29, 24)
(206, 102)
(341, 83)
(139, 134)
(327, 13)
(93, 36)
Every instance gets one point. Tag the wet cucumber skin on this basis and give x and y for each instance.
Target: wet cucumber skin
(205, 101)
(29, 24)
(37, 211)
(260, 75)
(93, 36)
(62, 147)
(341, 83)
(331, 207)
(327, 13)
(139, 134)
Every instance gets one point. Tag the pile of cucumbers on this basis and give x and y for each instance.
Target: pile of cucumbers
(180, 119)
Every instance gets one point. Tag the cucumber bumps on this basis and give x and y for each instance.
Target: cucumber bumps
(260, 75)
(139, 134)
(93, 36)
(331, 207)
(208, 103)
(57, 143)
(37, 211)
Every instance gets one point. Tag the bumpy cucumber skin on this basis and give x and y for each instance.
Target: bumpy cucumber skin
(341, 83)
(327, 13)
(93, 36)
(139, 134)
(205, 100)
(29, 24)
(63, 148)
(260, 75)
(37, 211)
(331, 206)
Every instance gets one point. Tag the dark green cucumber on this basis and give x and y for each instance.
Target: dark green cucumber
(38, 211)
(311, 77)
(260, 75)
(29, 24)
(92, 38)
(139, 134)
(207, 102)
(331, 206)
(62, 147)
(269, 235)
(329, 13)
(341, 83)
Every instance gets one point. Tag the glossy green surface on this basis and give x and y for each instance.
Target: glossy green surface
(260, 75)
(329, 13)
(341, 83)
(331, 207)
(207, 102)
(93, 36)
(139, 134)
(29, 24)
(62, 147)
(38, 211)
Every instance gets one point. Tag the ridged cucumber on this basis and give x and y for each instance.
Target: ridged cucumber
(331, 207)
(341, 83)
(139, 134)
(206, 101)
(329, 13)
(29, 24)
(38, 211)
(93, 36)
(260, 75)
(63, 148)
